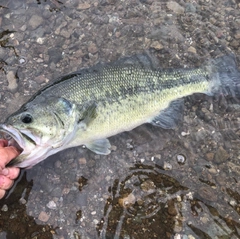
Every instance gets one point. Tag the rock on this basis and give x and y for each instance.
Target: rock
(167, 166)
(156, 45)
(221, 155)
(4, 208)
(127, 201)
(12, 81)
(209, 156)
(43, 216)
(175, 7)
(55, 55)
(207, 193)
(35, 21)
(237, 35)
(92, 48)
(171, 208)
(192, 50)
(148, 186)
(189, 7)
(83, 6)
(65, 33)
(41, 79)
(82, 161)
(52, 205)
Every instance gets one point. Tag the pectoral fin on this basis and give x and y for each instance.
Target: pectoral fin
(88, 116)
(100, 146)
(171, 116)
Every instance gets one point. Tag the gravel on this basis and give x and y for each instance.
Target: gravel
(156, 183)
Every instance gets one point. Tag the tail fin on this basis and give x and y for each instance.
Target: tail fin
(228, 75)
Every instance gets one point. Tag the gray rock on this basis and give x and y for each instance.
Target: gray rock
(12, 81)
(221, 155)
(175, 7)
(35, 21)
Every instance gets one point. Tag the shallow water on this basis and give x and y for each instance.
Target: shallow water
(156, 183)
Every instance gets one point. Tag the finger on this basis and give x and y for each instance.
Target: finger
(3, 143)
(11, 173)
(6, 155)
(2, 193)
(5, 182)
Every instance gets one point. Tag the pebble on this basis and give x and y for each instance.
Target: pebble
(92, 48)
(82, 161)
(41, 79)
(4, 208)
(12, 81)
(93, 212)
(171, 209)
(148, 186)
(191, 237)
(207, 193)
(22, 201)
(175, 7)
(209, 156)
(43, 216)
(52, 205)
(156, 45)
(179, 199)
(167, 166)
(83, 6)
(35, 21)
(127, 201)
(233, 203)
(22, 60)
(192, 49)
(212, 171)
(221, 155)
(237, 35)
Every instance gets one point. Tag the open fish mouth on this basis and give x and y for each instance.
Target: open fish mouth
(13, 136)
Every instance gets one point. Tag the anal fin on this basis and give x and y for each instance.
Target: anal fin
(100, 146)
(171, 116)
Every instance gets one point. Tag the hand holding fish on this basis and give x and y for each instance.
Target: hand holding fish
(7, 175)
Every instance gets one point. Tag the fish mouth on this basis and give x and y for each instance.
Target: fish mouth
(13, 137)
(22, 141)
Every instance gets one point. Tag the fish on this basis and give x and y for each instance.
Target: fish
(88, 106)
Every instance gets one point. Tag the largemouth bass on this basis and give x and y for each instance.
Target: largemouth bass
(88, 106)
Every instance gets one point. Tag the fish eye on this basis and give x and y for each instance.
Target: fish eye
(26, 118)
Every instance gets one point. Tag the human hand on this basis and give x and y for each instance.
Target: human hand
(7, 175)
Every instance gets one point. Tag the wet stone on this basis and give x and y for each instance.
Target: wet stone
(12, 81)
(221, 155)
(57, 192)
(156, 45)
(52, 205)
(4, 208)
(43, 216)
(82, 161)
(175, 7)
(171, 209)
(207, 193)
(55, 55)
(35, 21)
(127, 201)
(40, 79)
(167, 166)
(209, 156)
(83, 6)
(148, 186)
(192, 49)
(92, 48)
